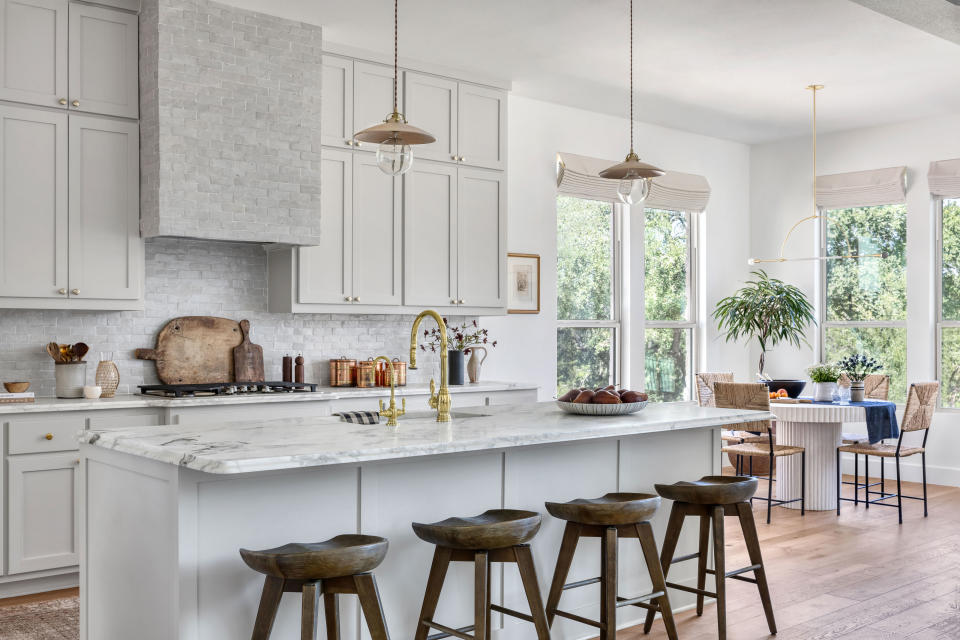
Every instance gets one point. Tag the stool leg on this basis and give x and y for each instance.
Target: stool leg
(670, 539)
(649, 546)
(269, 601)
(481, 607)
(528, 575)
(571, 534)
(749, 528)
(899, 491)
(866, 480)
(608, 584)
(719, 567)
(310, 611)
(856, 479)
(332, 615)
(369, 596)
(489, 602)
(773, 463)
(702, 561)
(839, 481)
(438, 571)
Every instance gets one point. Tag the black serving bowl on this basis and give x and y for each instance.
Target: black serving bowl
(793, 387)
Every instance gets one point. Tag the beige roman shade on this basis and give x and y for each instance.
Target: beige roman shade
(862, 188)
(578, 176)
(944, 178)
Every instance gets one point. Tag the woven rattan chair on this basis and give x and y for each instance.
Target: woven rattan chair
(921, 403)
(705, 398)
(732, 395)
(876, 386)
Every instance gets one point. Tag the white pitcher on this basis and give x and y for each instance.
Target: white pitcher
(475, 362)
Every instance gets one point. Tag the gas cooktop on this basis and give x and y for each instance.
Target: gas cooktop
(224, 389)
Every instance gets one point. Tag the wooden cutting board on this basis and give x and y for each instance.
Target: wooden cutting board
(247, 358)
(195, 349)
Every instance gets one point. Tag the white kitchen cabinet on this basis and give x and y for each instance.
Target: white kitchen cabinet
(33, 51)
(42, 511)
(104, 57)
(360, 261)
(482, 127)
(33, 205)
(482, 238)
(372, 96)
(430, 103)
(106, 253)
(336, 113)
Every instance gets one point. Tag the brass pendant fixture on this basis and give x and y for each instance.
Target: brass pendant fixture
(394, 135)
(633, 174)
(816, 211)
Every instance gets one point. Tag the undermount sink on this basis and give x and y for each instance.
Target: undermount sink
(469, 414)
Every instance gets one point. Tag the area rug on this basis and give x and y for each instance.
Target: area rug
(51, 620)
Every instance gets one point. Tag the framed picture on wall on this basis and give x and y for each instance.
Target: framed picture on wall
(523, 283)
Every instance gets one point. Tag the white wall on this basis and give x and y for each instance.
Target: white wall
(781, 194)
(538, 130)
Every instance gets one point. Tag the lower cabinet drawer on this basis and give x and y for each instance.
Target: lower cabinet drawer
(44, 435)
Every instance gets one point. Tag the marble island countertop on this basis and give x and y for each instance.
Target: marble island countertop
(137, 401)
(241, 447)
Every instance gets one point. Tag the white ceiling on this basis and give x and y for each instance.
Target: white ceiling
(734, 69)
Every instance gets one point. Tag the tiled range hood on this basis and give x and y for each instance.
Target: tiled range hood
(230, 124)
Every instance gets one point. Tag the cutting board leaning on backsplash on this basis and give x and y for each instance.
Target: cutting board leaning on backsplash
(195, 350)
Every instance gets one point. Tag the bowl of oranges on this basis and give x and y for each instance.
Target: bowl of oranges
(785, 388)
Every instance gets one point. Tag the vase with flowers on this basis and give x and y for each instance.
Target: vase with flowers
(461, 339)
(857, 367)
(824, 377)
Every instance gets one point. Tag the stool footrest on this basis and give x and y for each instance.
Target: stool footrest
(626, 602)
(447, 631)
(689, 556)
(683, 587)
(511, 612)
(576, 618)
(735, 572)
(581, 583)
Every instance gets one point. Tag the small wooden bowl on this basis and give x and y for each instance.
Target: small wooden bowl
(16, 387)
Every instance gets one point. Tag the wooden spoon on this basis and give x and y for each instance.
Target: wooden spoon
(79, 350)
(54, 350)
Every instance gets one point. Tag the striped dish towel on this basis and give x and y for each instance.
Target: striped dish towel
(360, 417)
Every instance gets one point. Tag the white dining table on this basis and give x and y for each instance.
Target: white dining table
(817, 428)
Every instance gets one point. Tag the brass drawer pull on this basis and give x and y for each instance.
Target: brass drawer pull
(75, 292)
(62, 101)
(75, 103)
(62, 292)
(49, 436)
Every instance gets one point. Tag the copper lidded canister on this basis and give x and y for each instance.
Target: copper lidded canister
(343, 372)
(366, 374)
(400, 370)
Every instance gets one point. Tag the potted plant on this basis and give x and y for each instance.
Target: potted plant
(459, 341)
(824, 377)
(858, 367)
(771, 312)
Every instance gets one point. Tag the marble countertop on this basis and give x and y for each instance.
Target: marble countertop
(137, 401)
(240, 447)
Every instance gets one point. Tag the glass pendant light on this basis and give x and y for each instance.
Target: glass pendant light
(394, 135)
(634, 175)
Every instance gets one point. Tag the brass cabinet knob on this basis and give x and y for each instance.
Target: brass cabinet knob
(462, 301)
(75, 103)
(356, 298)
(462, 158)
(348, 299)
(49, 436)
(62, 292)
(62, 101)
(75, 292)
(454, 158)
(348, 142)
(453, 302)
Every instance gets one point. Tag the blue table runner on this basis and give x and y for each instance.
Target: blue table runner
(881, 418)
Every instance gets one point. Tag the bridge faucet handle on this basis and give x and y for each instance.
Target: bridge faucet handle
(434, 398)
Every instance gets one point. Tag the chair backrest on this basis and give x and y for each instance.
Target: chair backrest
(705, 382)
(921, 403)
(876, 386)
(744, 395)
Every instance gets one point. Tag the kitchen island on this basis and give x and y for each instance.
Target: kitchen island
(165, 509)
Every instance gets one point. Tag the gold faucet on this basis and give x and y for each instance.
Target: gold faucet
(438, 400)
(392, 413)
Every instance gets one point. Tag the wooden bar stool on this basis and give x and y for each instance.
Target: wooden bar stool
(498, 535)
(712, 498)
(611, 517)
(339, 565)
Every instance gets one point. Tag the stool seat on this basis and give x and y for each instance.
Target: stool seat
(608, 510)
(713, 490)
(344, 555)
(493, 529)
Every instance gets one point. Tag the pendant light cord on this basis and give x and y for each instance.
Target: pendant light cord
(396, 67)
(631, 77)
(814, 91)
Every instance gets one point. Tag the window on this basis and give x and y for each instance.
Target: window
(949, 340)
(668, 304)
(588, 312)
(864, 305)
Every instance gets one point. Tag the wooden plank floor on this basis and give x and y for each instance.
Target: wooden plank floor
(858, 577)
(39, 597)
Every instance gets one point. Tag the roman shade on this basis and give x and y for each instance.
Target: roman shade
(944, 178)
(862, 188)
(578, 176)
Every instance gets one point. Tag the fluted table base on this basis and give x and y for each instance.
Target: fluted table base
(821, 440)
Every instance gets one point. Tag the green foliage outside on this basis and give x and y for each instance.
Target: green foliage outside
(950, 337)
(869, 289)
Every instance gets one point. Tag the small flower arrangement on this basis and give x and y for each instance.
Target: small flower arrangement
(459, 338)
(824, 372)
(858, 367)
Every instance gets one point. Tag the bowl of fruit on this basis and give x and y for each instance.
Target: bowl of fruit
(792, 388)
(605, 401)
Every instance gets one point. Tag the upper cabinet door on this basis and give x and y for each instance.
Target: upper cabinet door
(33, 203)
(103, 61)
(33, 51)
(482, 139)
(326, 270)
(430, 235)
(105, 247)
(377, 242)
(336, 119)
(372, 96)
(430, 103)
(482, 222)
